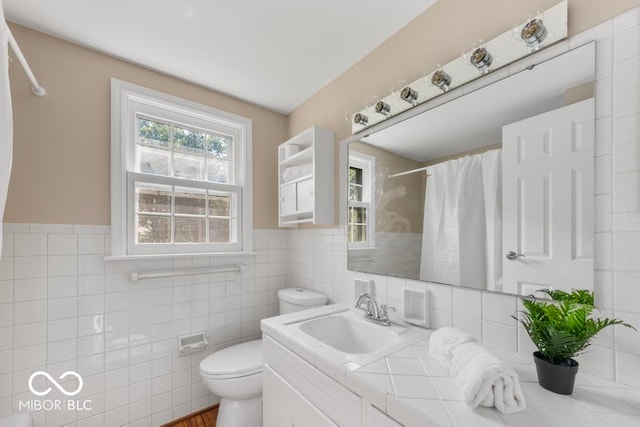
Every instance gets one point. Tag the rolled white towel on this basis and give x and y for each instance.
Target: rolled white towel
(444, 340)
(483, 379)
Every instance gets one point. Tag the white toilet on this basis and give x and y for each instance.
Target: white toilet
(235, 373)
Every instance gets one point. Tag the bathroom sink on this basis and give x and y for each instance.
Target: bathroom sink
(348, 332)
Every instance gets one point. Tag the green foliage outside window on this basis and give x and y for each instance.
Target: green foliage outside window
(164, 134)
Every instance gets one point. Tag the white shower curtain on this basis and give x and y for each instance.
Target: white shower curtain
(462, 222)
(6, 120)
(492, 190)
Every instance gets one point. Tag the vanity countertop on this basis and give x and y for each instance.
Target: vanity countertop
(412, 387)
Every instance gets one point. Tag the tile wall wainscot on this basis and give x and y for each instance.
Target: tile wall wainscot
(615, 354)
(397, 253)
(62, 307)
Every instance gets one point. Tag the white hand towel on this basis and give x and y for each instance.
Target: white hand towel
(289, 174)
(294, 172)
(444, 340)
(483, 379)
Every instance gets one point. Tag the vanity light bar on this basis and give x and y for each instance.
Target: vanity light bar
(441, 80)
(481, 59)
(545, 29)
(533, 33)
(409, 95)
(382, 108)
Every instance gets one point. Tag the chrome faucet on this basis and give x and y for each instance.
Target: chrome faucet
(372, 312)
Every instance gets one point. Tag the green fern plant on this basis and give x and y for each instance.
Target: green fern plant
(562, 328)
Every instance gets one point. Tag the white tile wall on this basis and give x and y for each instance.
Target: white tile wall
(63, 307)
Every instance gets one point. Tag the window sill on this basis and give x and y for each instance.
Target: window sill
(178, 255)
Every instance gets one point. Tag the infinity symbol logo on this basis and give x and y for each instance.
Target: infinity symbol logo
(55, 383)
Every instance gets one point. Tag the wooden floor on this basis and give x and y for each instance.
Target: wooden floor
(205, 418)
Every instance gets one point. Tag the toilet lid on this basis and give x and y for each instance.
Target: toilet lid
(237, 360)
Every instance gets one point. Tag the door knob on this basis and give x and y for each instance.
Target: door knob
(513, 256)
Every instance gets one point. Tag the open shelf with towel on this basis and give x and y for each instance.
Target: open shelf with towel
(305, 179)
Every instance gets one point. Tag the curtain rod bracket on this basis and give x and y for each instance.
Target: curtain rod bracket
(38, 90)
(35, 86)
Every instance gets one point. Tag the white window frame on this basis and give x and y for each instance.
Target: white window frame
(368, 166)
(128, 101)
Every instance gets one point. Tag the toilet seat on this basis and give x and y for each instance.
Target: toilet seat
(237, 361)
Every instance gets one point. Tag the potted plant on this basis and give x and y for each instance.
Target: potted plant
(561, 329)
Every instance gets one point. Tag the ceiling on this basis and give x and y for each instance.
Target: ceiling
(275, 53)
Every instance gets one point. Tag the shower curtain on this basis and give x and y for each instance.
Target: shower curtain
(462, 227)
(6, 121)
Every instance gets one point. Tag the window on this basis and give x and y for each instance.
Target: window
(361, 212)
(181, 175)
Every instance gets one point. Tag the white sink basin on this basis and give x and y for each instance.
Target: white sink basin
(350, 333)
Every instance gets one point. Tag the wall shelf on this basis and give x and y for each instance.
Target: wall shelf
(307, 196)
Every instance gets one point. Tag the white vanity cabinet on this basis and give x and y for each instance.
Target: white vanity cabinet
(291, 381)
(295, 393)
(377, 418)
(285, 407)
(305, 178)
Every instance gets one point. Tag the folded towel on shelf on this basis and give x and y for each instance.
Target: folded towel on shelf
(483, 379)
(444, 340)
(294, 172)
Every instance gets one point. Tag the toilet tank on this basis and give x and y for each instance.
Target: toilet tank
(297, 299)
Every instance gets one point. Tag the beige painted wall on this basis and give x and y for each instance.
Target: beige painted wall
(61, 163)
(61, 159)
(435, 37)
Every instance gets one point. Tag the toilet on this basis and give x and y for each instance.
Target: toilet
(235, 373)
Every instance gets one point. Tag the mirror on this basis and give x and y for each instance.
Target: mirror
(492, 190)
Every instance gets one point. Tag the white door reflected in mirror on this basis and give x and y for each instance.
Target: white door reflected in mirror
(548, 199)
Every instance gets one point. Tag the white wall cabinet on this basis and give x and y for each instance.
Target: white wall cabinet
(306, 179)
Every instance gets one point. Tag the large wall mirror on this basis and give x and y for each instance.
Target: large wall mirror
(493, 190)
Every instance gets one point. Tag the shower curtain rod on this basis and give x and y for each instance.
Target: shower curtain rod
(409, 172)
(35, 87)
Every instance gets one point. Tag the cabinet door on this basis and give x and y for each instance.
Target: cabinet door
(313, 417)
(379, 419)
(283, 406)
(306, 198)
(280, 402)
(288, 203)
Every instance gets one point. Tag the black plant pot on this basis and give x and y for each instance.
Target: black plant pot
(556, 378)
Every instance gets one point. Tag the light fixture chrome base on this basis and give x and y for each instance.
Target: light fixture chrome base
(533, 33)
(481, 59)
(408, 94)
